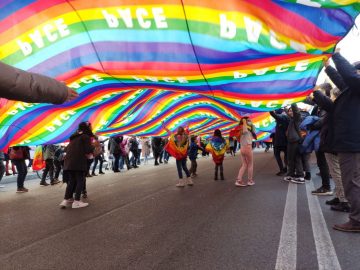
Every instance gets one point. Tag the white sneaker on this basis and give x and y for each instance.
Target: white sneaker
(181, 183)
(189, 181)
(79, 204)
(288, 178)
(65, 203)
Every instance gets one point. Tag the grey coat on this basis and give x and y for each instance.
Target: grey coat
(49, 152)
(16, 84)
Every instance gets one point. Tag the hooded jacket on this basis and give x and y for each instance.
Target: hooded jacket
(76, 151)
(16, 84)
(293, 130)
(282, 123)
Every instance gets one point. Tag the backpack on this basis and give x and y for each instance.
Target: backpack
(98, 150)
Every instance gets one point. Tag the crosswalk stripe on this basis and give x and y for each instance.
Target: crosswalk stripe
(286, 256)
(326, 254)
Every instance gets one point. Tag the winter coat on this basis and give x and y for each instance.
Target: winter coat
(282, 123)
(77, 151)
(114, 146)
(157, 144)
(16, 84)
(293, 130)
(327, 123)
(346, 111)
(145, 150)
(312, 140)
(49, 151)
(193, 151)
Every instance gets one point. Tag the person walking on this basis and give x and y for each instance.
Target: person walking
(345, 139)
(98, 155)
(247, 135)
(58, 161)
(18, 155)
(115, 151)
(76, 165)
(217, 146)
(145, 149)
(280, 140)
(49, 156)
(178, 148)
(157, 148)
(295, 172)
(193, 152)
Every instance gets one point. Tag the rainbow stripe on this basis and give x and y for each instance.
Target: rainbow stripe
(134, 65)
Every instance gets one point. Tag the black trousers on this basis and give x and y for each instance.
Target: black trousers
(49, 169)
(277, 153)
(116, 162)
(324, 169)
(58, 168)
(156, 157)
(294, 160)
(100, 160)
(193, 166)
(75, 184)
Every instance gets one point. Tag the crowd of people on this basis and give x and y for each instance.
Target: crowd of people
(332, 131)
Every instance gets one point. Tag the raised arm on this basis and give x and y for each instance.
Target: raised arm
(347, 71)
(16, 84)
(323, 101)
(335, 77)
(166, 129)
(296, 112)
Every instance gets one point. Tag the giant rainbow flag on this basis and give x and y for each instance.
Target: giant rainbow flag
(137, 63)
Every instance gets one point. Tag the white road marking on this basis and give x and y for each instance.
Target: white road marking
(326, 254)
(286, 256)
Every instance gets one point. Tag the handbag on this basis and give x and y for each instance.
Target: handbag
(16, 153)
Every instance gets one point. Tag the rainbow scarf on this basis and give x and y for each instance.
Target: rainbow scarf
(217, 147)
(175, 149)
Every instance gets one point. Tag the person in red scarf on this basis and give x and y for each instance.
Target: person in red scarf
(178, 147)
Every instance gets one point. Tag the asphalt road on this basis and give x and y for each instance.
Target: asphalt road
(140, 220)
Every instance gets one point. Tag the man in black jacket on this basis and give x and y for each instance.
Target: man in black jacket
(280, 140)
(345, 138)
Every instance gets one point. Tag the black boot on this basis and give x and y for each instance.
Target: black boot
(307, 176)
(341, 207)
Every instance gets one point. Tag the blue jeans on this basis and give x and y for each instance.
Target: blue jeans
(181, 165)
(22, 172)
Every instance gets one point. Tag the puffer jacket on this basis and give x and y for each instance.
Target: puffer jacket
(16, 84)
